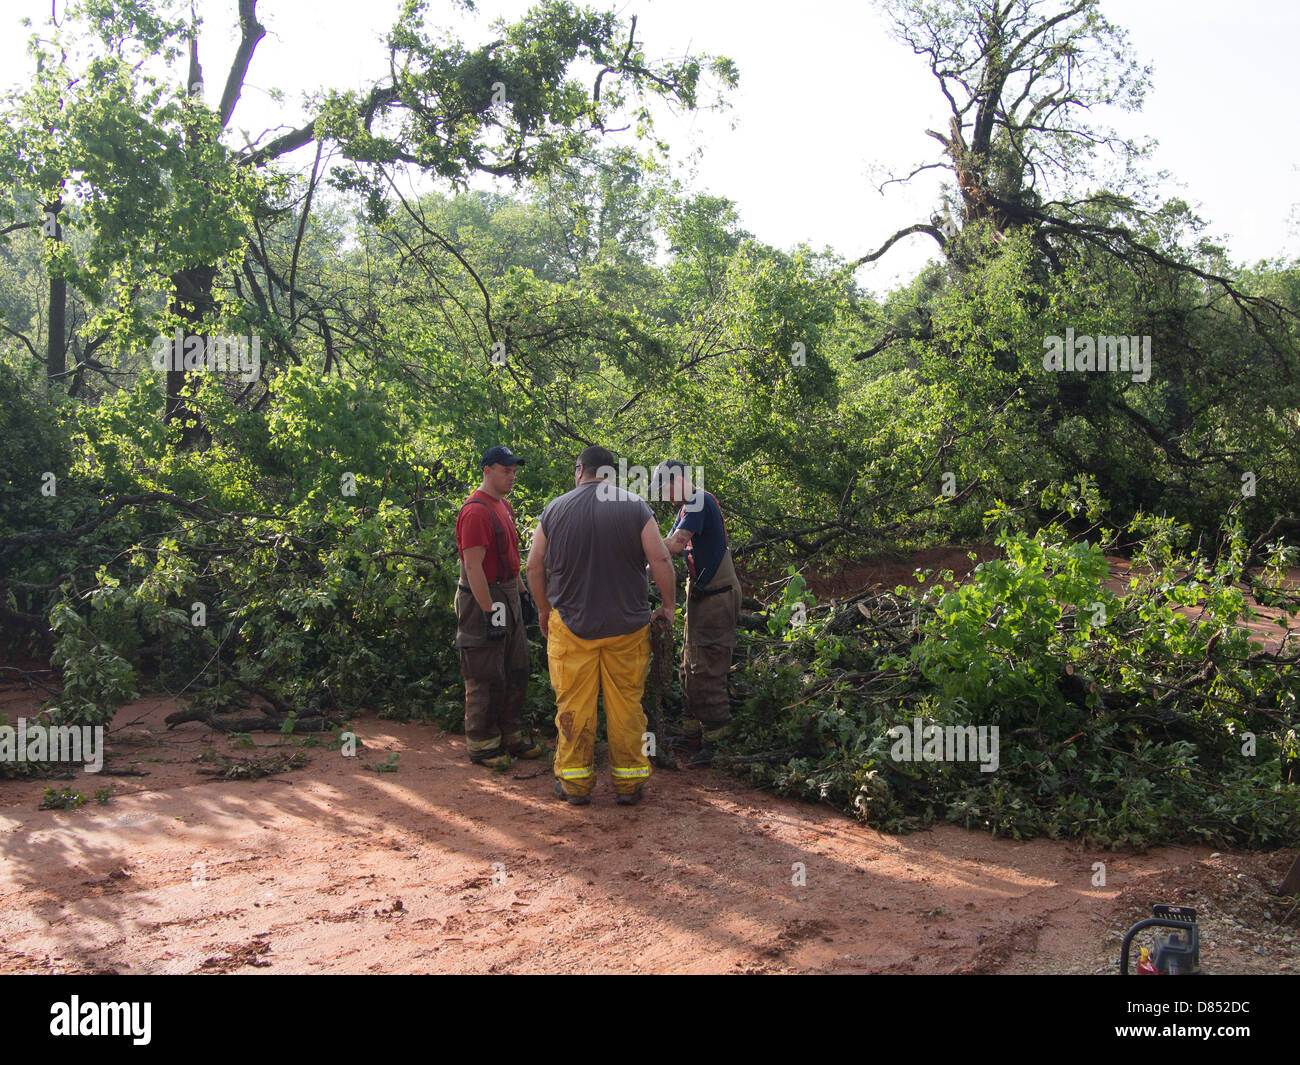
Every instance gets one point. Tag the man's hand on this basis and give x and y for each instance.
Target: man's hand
(544, 623)
(663, 614)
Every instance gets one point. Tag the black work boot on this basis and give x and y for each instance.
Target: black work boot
(574, 800)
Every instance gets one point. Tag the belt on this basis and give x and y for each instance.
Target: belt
(711, 591)
(467, 588)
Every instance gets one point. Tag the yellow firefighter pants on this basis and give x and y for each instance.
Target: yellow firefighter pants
(614, 667)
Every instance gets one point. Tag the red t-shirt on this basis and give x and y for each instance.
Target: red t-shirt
(474, 528)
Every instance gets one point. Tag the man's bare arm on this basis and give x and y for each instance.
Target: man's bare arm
(661, 567)
(478, 582)
(676, 541)
(537, 580)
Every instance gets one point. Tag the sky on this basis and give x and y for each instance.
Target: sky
(827, 100)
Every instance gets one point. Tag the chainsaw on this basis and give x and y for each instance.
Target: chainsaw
(1177, 954)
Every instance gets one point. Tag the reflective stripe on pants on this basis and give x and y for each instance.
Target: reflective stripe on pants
(495, 672)
(615, 668)
(580, 773)
(637, 772)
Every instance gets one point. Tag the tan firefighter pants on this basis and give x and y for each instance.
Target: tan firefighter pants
(712, 612)
(495, 671)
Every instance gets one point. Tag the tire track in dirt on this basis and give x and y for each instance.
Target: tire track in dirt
(446, 867)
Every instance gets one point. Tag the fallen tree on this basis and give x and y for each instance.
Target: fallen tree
(1150, 716)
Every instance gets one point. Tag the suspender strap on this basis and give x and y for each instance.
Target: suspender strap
(502, 554)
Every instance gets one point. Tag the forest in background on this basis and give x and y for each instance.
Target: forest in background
(277, 540)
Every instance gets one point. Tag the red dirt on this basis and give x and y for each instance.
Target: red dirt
(1265, 627)
(446, 867)
(884, 574)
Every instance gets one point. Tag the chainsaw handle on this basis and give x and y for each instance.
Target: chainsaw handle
(1150, 922)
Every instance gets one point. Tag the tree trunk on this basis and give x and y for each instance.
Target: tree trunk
(56, 348)
(193, 300)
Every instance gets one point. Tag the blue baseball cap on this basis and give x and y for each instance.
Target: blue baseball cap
(502, 455)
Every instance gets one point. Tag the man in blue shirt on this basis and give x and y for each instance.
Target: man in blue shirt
(712, 608)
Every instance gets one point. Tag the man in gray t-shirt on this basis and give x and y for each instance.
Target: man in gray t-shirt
(595, 542)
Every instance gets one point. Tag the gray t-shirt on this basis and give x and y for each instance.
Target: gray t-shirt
(593, 550)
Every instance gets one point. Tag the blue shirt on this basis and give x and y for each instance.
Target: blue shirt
(709, 543)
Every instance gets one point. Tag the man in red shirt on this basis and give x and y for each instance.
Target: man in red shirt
(489, 618)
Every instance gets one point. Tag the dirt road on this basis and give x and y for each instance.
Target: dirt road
(445, 867)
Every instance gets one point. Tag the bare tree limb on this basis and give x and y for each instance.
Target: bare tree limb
(251, 32)
(920, 227)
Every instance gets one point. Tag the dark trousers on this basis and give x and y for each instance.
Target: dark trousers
(495, 671)
(707, 649)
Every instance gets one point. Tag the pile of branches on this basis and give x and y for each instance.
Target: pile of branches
(1122, 720)
(261, 621)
